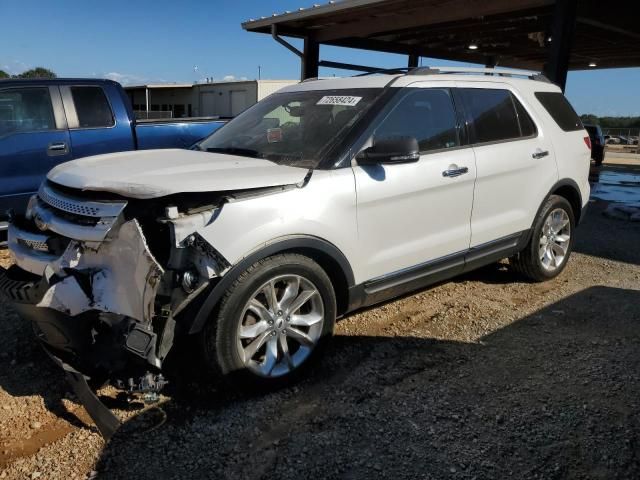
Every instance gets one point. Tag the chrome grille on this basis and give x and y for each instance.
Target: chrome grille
(39, 245)
(70, 207)
(79, 206)
(74, 217)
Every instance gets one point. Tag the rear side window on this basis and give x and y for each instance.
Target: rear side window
(561, 110)
(492, 114)
(527, 127)
(427, 114)
(92, 107)
(25, 110)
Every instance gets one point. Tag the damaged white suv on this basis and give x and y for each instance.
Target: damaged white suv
(325, 197)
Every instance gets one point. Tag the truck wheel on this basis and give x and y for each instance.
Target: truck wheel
(548, 250)
(598, 158)
(272, 323)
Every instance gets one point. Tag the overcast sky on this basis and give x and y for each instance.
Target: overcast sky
(164, 41)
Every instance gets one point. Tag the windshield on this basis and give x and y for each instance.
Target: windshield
(294, 128)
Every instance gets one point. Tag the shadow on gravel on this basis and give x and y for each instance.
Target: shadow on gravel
(554, 395)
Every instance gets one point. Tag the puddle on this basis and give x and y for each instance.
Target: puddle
(619, 186)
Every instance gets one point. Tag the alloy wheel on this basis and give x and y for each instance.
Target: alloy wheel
(280, 325)
(554, 239)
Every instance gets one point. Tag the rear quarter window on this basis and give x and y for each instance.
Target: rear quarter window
(92, 107)
(560, 110)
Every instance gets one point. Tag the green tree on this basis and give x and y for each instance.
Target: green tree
(38, 72)
(4, 74)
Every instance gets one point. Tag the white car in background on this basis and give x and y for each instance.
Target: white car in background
(325, 197)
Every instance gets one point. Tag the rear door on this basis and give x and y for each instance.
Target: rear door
(93, 125)
(515, 160)
(33, 139)
(411, 216)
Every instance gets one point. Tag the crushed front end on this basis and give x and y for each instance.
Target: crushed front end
(103, 279)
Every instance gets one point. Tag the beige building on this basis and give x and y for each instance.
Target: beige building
(221, 99)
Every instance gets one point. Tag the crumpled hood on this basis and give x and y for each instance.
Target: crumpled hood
(158, 173)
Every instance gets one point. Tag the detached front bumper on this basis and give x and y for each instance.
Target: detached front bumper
(99, 345)
(66, 339)
(100, 303)
(91, 303)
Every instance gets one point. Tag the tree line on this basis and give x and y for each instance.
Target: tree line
(611, 122)
(38, 72)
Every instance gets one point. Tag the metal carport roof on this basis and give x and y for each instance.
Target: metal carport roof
(534, 34)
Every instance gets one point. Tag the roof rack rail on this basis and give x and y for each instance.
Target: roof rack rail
(386, 70)
(502, 72)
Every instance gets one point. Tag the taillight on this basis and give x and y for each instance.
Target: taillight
(587, 140)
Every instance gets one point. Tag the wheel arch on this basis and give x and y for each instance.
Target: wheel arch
(326, 254)
(569, 189)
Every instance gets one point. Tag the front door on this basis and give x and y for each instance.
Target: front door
(416, 213)
(33, 140)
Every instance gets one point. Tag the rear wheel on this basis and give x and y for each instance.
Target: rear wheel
(548, 250)
(598, 158)
(272, 323)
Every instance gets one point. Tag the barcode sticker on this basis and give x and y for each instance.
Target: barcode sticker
(346, 100)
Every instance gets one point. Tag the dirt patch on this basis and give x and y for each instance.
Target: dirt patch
(5, 258)
(486, 376)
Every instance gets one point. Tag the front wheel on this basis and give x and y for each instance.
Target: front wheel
(548, 250)
(272, 323)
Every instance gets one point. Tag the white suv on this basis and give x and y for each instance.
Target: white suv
(325, 197)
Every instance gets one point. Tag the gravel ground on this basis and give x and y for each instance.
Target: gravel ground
(485, 376)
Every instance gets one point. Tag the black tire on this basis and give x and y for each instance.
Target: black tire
(598, 156)
(598, 159)
(219, 338)
(528, 262)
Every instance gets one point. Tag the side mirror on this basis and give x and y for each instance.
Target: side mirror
(390, 150)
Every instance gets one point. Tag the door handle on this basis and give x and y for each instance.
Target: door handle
(57, 148)
(454, 171)
(539, 153)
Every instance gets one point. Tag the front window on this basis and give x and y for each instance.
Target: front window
(294, 128)
(25, 110)
(427, 114)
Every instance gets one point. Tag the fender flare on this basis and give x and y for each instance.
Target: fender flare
(565, 182)
(290, 243)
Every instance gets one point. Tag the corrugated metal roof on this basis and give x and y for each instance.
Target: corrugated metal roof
(504, 32)
(306, 12)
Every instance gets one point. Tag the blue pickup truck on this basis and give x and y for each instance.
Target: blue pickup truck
(47, 122)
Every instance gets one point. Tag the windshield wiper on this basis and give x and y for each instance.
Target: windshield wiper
(243, 152)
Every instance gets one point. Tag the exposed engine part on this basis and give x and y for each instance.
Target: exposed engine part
(149, 385)
(141, 341)
(172, 212)
(189, 280)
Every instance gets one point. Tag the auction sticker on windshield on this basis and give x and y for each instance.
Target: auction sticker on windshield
(346, 100)
(274, 135)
